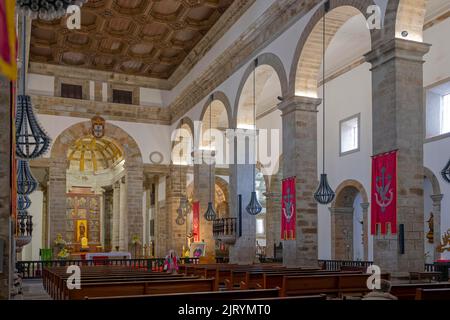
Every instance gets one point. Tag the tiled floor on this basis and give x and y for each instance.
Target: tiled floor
(33, 290)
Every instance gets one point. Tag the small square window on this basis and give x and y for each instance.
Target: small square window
(72, 91)
(349, 135)
(122, 96)
(260, 226)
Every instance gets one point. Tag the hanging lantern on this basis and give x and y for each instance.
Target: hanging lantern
(23, 202)
(31, 139)
(185, 207)
(254, 207)
(324, 193)
(210, 214)
(446, 172)
(46, 9)
(26, 183)
(180, 219)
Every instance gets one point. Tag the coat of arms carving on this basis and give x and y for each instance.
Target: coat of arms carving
(98, 127)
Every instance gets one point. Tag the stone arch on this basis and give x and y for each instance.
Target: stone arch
(436, 200)
(188, 124)
(271, 61)
(225, 102)
(342, 215)
(132, 153)
(405, 15)
(132, 184)
(304, 73)
(225, 205)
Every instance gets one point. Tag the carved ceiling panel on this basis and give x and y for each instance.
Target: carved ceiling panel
(140, 37)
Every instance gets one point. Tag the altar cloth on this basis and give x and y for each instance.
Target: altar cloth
(114, 254)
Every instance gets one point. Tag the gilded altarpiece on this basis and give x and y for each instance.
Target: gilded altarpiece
(82, 217)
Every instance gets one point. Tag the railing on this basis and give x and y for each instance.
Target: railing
(33, 269)
(225, 229)
(429, 267)
(336, 265)
(25, 225)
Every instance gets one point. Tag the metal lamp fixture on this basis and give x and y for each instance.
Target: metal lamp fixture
(46, 9)
(446, 172)
(26, 183)
(324, 194)
(31, 139)
(210, 214)
(185, 207)
(254, 207)
(23, 202)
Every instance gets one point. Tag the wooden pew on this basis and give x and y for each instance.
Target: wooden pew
(433, 294)
(201, 296)
(335, 284)
(408, 291)
(105, 289)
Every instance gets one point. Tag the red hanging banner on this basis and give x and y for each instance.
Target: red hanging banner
(196, 220)
(8, 39)
(288, 209)
(384, 192)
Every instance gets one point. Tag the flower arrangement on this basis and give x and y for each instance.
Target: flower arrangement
(63, 254)
(59, 241)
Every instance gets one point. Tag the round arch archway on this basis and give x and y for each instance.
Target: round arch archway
(130, 224)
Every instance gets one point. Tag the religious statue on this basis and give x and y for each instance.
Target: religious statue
(171, 262)
(430, 234)
(82, 234)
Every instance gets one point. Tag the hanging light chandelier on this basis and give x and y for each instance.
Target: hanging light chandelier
(446, 172)
(46, 9)
(26, 183)
(210, 214)
(23, 202)
(324, 194)
(185, 208)
(31, 139)
(254, 207)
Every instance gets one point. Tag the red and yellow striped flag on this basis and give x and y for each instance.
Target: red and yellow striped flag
(8, 65)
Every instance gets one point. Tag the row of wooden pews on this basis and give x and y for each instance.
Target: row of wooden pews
(223, 282)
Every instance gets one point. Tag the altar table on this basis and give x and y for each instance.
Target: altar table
(109, 255)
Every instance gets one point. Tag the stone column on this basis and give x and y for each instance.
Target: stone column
(365, 208)
(204, 177)
(341, 233)
(397, 104)
(241, 183)
(57, 194)
(299, 116)
(115, 215)
(123, 212)
(175, 189)
(108, 218)
(273, 217)
(135, 189)
(437, 199)
(5, 192)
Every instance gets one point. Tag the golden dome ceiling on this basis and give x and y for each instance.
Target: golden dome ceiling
(93, 155)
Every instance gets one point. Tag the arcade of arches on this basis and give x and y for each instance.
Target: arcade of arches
(215, 112)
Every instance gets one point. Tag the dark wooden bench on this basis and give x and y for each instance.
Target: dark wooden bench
(105, 289)
(408, 291)
(273, 280)
(433, 294)
(202, 296)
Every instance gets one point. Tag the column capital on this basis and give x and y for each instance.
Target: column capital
(397, 48)
(203, 156)
(437, 198)
(348, 210)
(364, 205)
(299, 103)
(272, 195)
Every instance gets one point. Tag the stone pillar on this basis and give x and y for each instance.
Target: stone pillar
(175, 189)
(108, 218)
(241, 183)
(115, 215)
(365, 208)
(397, 104)
(5, 192)
(204, 177)
(123, 212)
(437, 199)
(273, 217)
(135, 189)
(299, 116)
(341, 233)
(57, 194)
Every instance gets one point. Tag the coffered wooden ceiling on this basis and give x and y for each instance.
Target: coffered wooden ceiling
(140, 37)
